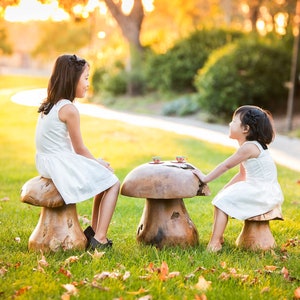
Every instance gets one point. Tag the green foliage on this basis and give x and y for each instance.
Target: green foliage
(5, 46)
(185, 105)
(233, 273)
(110, 82)
(250, 71)
(176, 69)
(61, 37)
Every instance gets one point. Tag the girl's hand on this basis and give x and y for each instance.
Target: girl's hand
(199, 174)
(105, 164)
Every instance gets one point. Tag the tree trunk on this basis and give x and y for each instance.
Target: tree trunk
(131, 28)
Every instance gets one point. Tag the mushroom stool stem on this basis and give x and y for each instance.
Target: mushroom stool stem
(58, 226)
(166, 223)
(256, 233)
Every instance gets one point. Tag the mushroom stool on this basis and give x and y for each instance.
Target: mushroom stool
(58, 226)
(165, 220)
(256, 233)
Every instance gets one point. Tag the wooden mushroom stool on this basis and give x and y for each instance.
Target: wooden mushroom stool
(165, 220)
(58, 226)
(256, 233)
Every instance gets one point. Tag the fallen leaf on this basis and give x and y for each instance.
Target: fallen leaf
(200, 297)
(147, 297)
(126, 275)
(297, 293)
(270, 268)
(106, 274)
(4, 199)
(70, 288)
(65, 272)
(164, 271)
(265, 289)
(173, 274)
(285, 273)
(224, 276)
(202, 284)
(96, 285)
(65, 296)
(17, 239)
(140, 291)
(71, 259)
(42, 261)
(22, 290)
(97, 254)
(3, 271)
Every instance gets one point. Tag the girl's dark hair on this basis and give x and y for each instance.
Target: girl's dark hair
(260, 124)
(63, 81)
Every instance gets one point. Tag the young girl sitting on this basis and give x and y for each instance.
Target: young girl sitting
(254, 190)
(62, 156)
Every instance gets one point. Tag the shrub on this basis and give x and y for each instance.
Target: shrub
(112, 82)
(176, 69)
(185, 105)
(248, 72)
(97, 79)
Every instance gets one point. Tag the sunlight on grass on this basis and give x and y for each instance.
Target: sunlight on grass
(233, 273)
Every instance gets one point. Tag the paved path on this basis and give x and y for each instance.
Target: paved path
(285, 150)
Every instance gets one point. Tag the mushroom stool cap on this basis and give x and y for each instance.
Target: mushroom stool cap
(274, 214)
(163, 181)
(40, 191)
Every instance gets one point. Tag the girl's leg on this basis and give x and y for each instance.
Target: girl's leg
(220, 222)
(103, 209)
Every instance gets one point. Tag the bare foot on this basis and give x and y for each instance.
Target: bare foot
(214, 247)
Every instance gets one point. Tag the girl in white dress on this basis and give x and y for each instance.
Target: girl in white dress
(254, 190)
(62, 156)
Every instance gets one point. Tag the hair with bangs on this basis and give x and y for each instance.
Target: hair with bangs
(63, 81)
(260, 123)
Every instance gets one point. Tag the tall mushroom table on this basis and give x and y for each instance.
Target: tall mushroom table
(165, 220)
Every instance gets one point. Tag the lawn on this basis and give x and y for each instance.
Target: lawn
(131, 270)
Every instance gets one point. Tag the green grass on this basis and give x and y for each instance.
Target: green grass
(233, 273)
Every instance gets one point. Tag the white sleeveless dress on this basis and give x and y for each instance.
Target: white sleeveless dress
(76, 177)
(258, 194)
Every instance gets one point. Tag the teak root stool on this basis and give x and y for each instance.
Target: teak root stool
(58, 226)
(256, 233)
(165, 220)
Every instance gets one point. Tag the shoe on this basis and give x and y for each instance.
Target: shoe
(94, 244)
(89, 233)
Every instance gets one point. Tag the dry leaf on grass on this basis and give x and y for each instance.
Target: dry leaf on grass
(97, 254)
(3, 271)
(146, 297)
(164, 271)
(71, 259)
(200, 297)
(4, 199)
(270, 269)
(140, 291)
(203, 284)
(65, 272)
(22, 290)
(71, 289)
(297, 293)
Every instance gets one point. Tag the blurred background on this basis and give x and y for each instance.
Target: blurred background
(203, 55)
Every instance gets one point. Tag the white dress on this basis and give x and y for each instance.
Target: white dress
(76, 177)
(258, 194)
